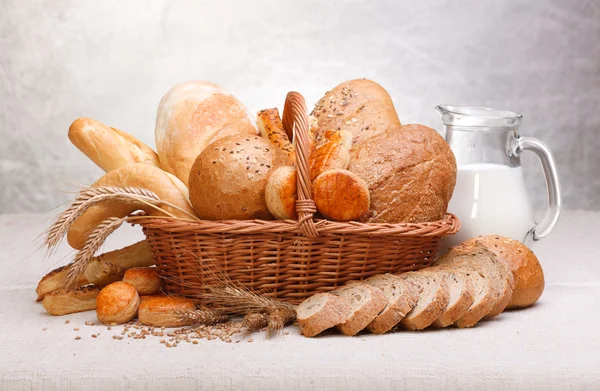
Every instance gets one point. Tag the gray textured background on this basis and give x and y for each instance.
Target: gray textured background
(113, 60)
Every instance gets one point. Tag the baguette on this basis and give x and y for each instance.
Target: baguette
(401, 297)
(366, 302)
(320, 312)
(68, 301)
(108, 147)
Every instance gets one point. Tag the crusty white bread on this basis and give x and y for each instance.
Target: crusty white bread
(410, 172)
(340, 195)
(528, 276)
(281, 193)
(401, 298)
(69, 301)
(191, 116)
(145, 280)
(460, 296)
(366, 302)
(331, 152)
(271, 128)
(432, 301)
(164, 185)
(320, 312)
(361, 106)
(164, 311)
(108, 147)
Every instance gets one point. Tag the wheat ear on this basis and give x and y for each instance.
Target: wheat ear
(203, 316)
(91, 245)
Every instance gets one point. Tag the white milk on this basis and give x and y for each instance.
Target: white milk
(490, 199)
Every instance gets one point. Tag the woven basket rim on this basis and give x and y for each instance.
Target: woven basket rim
(449, 225)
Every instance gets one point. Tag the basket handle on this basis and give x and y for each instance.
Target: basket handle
(295, 114)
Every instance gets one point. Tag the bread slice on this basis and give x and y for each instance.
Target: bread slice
(460, 291)
(432, 301)
(320, 312)
(366, 302)
(401, 297)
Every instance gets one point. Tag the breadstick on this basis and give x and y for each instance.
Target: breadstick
(69, 301)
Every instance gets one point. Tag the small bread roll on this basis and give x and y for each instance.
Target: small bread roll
(117, 303)
(108, 147)
(145, 280)
(229, 178)
(341, 195)
(281, 193)
(163, 311)
(164, 185)
(192, 115)
(270, 126)
(527, 271)
(332, 152)
(69, 301)
(361, 106)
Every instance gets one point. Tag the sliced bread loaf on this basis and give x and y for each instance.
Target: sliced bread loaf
(432, 301)
(320, 312)
(401, 297)
(366, 302)
(460, 295)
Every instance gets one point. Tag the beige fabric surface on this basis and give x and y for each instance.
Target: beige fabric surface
(554, 345)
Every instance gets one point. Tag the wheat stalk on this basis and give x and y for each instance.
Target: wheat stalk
(203, 316)
(254, 321)
(91, 245)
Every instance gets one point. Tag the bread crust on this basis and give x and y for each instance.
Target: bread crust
(145, 280)
(331, 152)
(165, 186)
(108, 147)
(54, 280)
(410, 172)
(271, 128)
(68, 301)
(341, 195)
(281, 193)
(162, 311)
(334, 311)
(117, 303)
(190, 116)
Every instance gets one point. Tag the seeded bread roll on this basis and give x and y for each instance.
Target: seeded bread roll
(361, 107)
(320, 312)
(145, 280)
(366, 302)
(117, 303)
(163, 311)
(229, 178)
(192, 115)
(69, 301)
(410, 172)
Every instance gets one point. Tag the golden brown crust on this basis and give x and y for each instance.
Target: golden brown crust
(332, 151)
(145, 280)
(410, 172)
(191, 116)
(270, 126)
(135, 255)
(281, 193)
(527, 271)
(164, 185)
(117, 303)
(163, 311)
(69, 301)
(54, 280)
(359, 106)
(108, 147)
(341, 195)
(228, 180)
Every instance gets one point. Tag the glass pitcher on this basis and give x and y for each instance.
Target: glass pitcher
(490, 196)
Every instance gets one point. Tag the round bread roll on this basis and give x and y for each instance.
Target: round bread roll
(359, 106)
(281, 193)
(527, 271)
(229, 178)
(108, 147)
(341, 195)
(145, 280)
(192, 115)
(117, 303)
(163, 311)
(410, 172)
(164, 185)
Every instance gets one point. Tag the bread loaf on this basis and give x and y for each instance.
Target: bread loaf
(341, 195)
(229, 178)
(192, 115)
(281, 193)
(117, 303)
(164, 311)
(145, 280)
(68, 301)
(361, 107)
(526, 269)
(410, 172)
(108, 147)
(164, 185)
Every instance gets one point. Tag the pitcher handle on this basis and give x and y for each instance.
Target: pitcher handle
(549, 167)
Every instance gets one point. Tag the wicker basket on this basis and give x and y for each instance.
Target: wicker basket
(290, 260)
